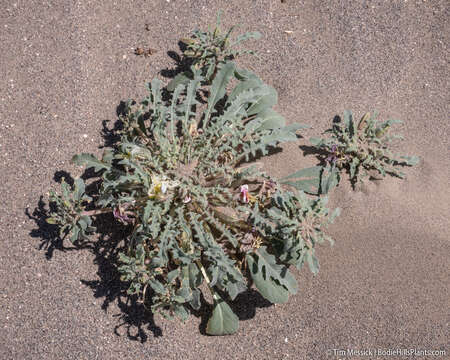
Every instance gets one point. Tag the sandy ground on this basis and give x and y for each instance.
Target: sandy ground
(66, 65)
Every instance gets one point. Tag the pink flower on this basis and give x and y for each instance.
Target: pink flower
(244, 194)
(186, 199)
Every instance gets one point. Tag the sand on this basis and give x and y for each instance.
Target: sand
(65, 67)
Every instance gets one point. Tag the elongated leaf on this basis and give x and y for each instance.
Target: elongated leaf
(313, 263)
(336, 213)
(79, 189)
(195, 302)
(223, 320)
(251, 83)
(248, 35)
(190, 101)
(294, 127)
(271, 120)
(155, 89)
(65, 188)
(310, 172)
(218, 88)
(318, 142)
(353, 166)
(330, 181)
(173, 113)
(84, 222)
(181, 312)
(75, 234)
(89, 161)
(309, 186)
(268, 97)
(180, 79)
(244, 74)
(410, 160)
(273, 281)
(348, 121)
(307, 180)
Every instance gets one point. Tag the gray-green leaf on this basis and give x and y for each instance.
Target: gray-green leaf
(89, 161)
(273, 281)
(218, 88)
(223, 320)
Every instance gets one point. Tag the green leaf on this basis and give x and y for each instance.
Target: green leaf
(181, 312)
(244, 74)
(190, 101)
(218, 88)
(353, 166)
(348, 121)
(410, 160)
(273, 281)
(310, 172)
(271, 120)
(309, 186)
(317, 142)
(65, 189)
(157, 287)
(248, 35)
(267, 97)
(173, 111)
(51, 221)
(330, 181)
(195, 302)
(223, 320)
(195, 277)
(155, 89)
(308, 180)
(251, 83)
(84, 222)
(312, 262)
(108, 156)
(292, 128)
(146, 214)
(335, 214)
(180, 79)
(172, 275)
(234, 288)
(79, 189)
(89, 161)
(75, 233)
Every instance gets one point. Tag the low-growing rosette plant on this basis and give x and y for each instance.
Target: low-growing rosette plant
(208, 50)
(199, 211)
(198, 208)
(362, 149)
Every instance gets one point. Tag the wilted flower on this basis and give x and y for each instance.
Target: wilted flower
(122, 215)
(333, 156)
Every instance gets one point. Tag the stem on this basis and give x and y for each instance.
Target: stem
(96, 212)
(203, 271)
(208, 282)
